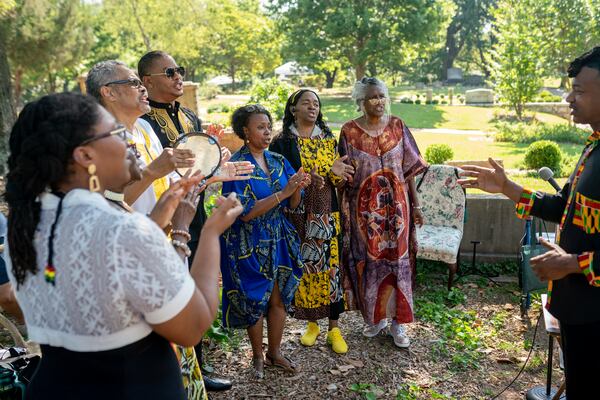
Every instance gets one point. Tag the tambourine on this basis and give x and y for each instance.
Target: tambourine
(207, 153)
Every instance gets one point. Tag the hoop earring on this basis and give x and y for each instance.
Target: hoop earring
(94, 182)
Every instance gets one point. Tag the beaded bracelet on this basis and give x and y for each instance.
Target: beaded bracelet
(184, 247)
(185, 234)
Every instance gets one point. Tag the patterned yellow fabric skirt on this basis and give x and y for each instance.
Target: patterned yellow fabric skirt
(190, 371)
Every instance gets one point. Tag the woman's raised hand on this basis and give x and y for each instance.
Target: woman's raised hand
(298, 181)
(224, 214)
(341, 169)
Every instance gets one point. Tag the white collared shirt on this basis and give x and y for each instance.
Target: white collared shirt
(116, 273)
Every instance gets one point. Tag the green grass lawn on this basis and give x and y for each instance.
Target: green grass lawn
(479, 147)
(340, 109)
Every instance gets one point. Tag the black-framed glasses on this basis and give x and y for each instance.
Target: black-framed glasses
(133, 82)
(119, 131)
(170, 72)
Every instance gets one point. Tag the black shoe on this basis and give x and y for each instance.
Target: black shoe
(213, 384)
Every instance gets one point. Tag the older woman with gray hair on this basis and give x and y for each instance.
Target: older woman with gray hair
(379, 211)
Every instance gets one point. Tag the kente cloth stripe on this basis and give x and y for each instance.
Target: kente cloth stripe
(587, 214)
(525, 204)
(586, 263)
(592, 138)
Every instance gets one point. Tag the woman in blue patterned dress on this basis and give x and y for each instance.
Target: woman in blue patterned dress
(260, 264)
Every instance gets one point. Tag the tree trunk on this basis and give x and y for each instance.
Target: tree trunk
(452, 49)
(140, 26)
(330, 78)
(519, 111)
(232, 75)
(18, 87)
(7, 111)
(360, 70)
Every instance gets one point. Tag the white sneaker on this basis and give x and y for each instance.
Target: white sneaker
(398, 332)
(373, 330)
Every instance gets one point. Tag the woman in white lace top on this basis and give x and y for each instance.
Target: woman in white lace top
(103, 292)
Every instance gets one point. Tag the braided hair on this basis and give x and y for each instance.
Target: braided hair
(288, 117)
(41, 145)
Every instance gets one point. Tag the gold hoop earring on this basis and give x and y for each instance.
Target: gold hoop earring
(94, 182)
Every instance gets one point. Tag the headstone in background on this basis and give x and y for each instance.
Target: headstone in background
(419, 86)
(479, 96)
(429, 94)
(474, 80)
(455, 75)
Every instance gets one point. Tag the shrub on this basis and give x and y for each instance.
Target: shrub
(529, 133)
(417, 101)
(435, 101)
(428, 102)
(271, 93)
(444, 102)
(543, 153)
(547, 97)
(214, 109)
(438, 153)
(316, 81)
(209, 92)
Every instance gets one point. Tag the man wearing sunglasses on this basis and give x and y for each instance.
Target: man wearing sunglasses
(121, 92)
(164, 79)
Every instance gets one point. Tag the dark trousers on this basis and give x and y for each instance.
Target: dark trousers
(582, 362)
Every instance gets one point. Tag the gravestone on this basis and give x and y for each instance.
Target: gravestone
(455, 75)
(419, 86)
(479, 96)
(474, 80)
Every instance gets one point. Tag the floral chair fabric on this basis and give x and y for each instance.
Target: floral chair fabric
(443, 205)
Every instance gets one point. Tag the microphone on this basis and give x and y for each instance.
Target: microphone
(546, 174)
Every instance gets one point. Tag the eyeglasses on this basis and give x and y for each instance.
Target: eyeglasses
(119, 131)
(170, 72)
(133, 82)
(376, 101)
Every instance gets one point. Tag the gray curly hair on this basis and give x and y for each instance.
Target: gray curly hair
(360, 90)
(100, 74)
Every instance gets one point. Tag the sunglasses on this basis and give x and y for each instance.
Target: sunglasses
(170, 72)
(133, 82)
(119, 131)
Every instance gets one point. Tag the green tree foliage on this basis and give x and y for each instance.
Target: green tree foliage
(359, 33)
(245, 40)
(233, 37)
(272, 94)
(570, 27)
(466, 30)
(517, 59)
(47, 41)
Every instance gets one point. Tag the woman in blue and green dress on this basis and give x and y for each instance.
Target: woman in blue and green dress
(260, 263)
